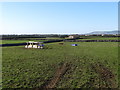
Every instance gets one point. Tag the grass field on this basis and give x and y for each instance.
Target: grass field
(23, 41)
(16, 41)
(30, 68)
(101, 38)
(32, 39)
(45, 38)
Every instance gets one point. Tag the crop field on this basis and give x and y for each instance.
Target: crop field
(88, 65)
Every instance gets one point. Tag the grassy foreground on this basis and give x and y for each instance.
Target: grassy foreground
(33, 67)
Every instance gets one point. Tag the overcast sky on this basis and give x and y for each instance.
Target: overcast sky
(58, 17)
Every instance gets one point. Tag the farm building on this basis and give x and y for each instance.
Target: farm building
(73, 36)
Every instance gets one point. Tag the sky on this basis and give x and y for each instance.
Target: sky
(57, 17)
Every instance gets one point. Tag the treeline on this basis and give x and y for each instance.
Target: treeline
(26, 36)
(4, 37)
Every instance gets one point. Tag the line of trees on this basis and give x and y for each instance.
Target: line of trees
(24, 36)
(32, 36)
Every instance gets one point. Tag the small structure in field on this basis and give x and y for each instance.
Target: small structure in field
(74, 44)
(61, 43)
(73, 36)
(32, 44)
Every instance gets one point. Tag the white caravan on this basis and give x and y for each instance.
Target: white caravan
(32, 44)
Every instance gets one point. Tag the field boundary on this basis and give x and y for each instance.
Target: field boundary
(66, 40)
(92, 40)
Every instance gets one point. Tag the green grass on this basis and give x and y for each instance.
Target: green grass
(32, 67)
(44, 38)
(16, 41)
(32, 39)
(101, 38)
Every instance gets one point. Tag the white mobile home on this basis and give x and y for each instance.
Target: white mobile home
(32, 44)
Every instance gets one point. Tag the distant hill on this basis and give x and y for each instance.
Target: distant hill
(104, 32)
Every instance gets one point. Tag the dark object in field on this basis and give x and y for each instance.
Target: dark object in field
(105, 75)
(61, 43)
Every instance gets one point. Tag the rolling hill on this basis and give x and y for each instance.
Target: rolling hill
(104, 32)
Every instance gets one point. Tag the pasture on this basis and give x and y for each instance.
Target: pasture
(88, 65)
(17, 41)
(100, 38)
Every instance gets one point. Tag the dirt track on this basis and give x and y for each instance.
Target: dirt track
(58, 75)
(105, 75)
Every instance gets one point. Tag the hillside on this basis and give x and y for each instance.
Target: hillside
(104, 32)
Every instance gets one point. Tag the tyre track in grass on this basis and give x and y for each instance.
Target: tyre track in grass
(106, 75)
(56, 78)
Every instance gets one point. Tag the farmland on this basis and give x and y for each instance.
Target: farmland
(101, 38)
(33, 68)
(16, 41)
(46, 39)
